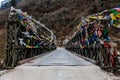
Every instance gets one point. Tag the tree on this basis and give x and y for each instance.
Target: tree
(13, 3)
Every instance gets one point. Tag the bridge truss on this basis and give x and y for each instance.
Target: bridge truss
(26, 37)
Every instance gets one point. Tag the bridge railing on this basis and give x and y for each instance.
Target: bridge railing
(92, 38)
(25, 38)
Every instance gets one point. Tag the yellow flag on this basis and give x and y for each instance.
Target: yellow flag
(27, 46)
(78, 26)
(92, 17)
(113, 17)
(100, 17)
(118, 16)
(118, 26)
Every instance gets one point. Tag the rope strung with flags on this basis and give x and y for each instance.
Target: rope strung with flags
(92, 38)
(95, 27)
(29, 30)
(112, 15)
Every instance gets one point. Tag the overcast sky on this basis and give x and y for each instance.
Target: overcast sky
(1, 1)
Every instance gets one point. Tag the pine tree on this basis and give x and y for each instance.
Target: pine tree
(13, 3)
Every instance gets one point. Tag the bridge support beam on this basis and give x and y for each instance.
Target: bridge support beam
(11, 53)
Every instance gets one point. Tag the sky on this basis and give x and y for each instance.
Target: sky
(1, 1)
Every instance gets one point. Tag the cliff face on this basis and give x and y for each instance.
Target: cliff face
(61, 15)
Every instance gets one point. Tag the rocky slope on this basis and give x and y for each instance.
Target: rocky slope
(63, 15)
